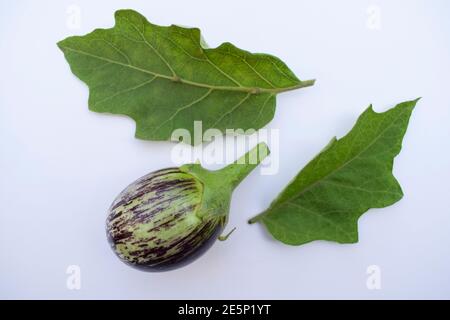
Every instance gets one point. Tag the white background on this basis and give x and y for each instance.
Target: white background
(61, 165)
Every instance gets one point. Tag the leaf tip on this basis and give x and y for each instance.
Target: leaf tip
(59, 44)
(414, 102)
(409, 104)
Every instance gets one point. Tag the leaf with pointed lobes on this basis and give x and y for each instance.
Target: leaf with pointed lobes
(347, 178)
(164, 78)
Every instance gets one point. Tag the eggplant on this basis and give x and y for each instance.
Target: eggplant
(170, 217)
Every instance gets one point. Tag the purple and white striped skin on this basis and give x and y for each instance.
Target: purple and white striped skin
(153, 224)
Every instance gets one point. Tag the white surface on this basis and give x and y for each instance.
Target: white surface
(61, 165)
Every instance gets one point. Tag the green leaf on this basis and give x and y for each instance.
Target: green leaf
(164, 78)
(347, 178)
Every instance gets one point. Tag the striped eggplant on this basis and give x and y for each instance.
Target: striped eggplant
(170, 217)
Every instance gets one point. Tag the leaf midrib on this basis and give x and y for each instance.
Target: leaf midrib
(261, 215)
(176, 79)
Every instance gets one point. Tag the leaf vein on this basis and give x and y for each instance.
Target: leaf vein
(125, 91)
(298, 195)
(232, 110)
(323, 217)
(183, 108)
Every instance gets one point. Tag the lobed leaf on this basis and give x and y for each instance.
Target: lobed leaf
(350, 176)
(164, 79)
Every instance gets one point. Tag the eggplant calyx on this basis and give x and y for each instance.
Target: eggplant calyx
(218, 185)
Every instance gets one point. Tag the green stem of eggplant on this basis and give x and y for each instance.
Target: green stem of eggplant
(218, 185)
(234, 173)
